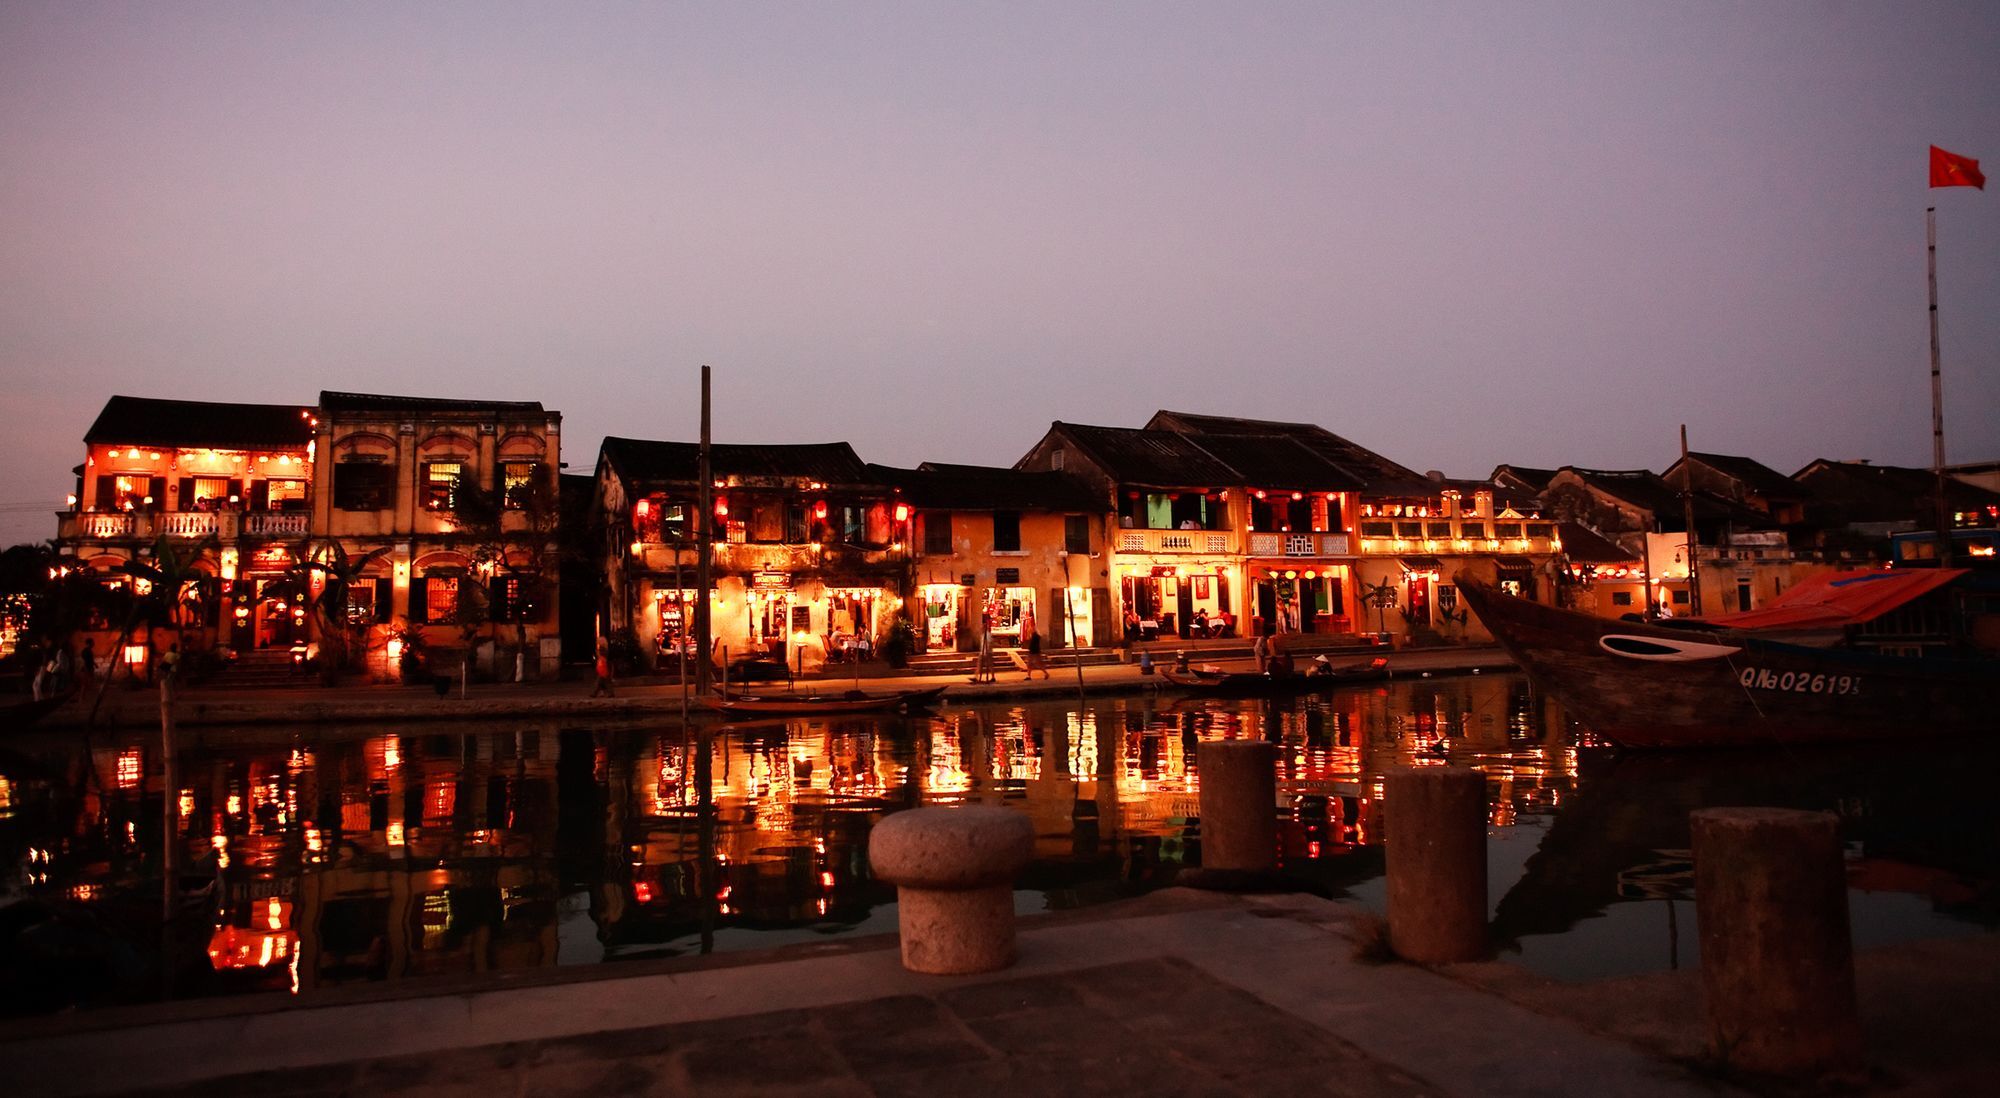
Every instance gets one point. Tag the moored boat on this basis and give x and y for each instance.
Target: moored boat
(739, 704)
(1839, 657)
(1252, 684)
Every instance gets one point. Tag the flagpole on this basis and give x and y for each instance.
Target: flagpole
(1937, 397)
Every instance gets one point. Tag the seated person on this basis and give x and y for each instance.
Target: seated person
(1131, 624)
(1200, 626)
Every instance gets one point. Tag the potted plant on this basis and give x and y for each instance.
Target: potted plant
(900, 642)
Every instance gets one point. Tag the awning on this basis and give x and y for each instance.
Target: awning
(1516, 563)
(1835, 599)
(1421, 564)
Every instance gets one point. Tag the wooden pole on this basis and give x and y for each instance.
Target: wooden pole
(1937, 397)
(705, 540)
(171, 813)
(1075, 647)
(1687, 516)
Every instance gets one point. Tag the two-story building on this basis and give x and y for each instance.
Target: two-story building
(997, 546)
(812, 555)
(1742, 558)
(462, 494)
(228, 485)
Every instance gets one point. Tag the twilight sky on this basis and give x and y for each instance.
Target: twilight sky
(1460, 234)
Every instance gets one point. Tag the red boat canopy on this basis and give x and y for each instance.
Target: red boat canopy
(1834, 600)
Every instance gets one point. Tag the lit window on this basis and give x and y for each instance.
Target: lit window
(440, 484)
(517, 483)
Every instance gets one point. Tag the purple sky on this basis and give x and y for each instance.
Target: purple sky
(1460, 234)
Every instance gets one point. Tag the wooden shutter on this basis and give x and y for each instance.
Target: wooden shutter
(260, 495)
(385, 593)
(185, 501)
(107, 493)
(156, 487)
(417, 600)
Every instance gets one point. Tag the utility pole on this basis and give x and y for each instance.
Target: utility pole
(1687, 516)
(704, 510)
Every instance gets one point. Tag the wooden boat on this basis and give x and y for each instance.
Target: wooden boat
(1819, 664)
(1252, 684)
(740, 704)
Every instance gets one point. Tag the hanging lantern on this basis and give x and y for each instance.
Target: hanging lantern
(721, 507)
(1298, 495)
(819, 510)
(902, 512)
(641, 507)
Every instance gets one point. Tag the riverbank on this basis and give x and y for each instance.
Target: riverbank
(366, 703)
(1176, 993)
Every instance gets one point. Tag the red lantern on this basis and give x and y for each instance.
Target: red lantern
(902, 512)
(721, 507)
(640, 508)
(819, 510)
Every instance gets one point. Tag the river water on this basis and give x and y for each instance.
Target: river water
(315, 857)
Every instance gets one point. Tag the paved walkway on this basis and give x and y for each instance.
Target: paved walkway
(1178, 994)
(359, 702)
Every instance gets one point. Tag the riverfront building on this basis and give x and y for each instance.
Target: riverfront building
(812, 551)
(422, 500)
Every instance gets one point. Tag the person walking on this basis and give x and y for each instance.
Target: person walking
(603, 672)
(1032, 638)
(86, 666)
(983, 670)
(1261, 650)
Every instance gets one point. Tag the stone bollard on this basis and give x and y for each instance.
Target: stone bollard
(1434, 821)
(954, 870)
(1777, 962)
(1239, 806)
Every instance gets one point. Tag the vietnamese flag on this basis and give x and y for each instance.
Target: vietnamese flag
(1953, 170)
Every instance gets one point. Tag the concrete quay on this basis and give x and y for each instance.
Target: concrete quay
(1177, 993)
(646, 696)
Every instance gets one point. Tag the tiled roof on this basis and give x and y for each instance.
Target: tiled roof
(1762, 480)
(1648, 491)
(365, 403)
(1854, 491)
(1158, 459)
(1378, 473)
(988, 488)
(150, 422)
(679, 462)
(1275, 461)
(1582, 545)
(1535, 479)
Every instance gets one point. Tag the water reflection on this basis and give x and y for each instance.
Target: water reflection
(316, 858)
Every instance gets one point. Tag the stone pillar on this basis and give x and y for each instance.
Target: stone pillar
(1239, 805)
(954, 870)
(1777, 962)
(1434, 819)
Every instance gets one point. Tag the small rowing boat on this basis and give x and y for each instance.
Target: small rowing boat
(1251, 684)
(740, 704)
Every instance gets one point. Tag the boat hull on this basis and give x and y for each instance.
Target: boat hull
(1645, 686)
(1250, 685)
(793, 705)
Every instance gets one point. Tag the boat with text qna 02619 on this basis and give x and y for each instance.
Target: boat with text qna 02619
(1842, 656)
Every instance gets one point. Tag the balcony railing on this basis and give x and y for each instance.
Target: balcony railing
(187, 524)
(1298, 545)
(1176, 541)
(99, 526)
(266, 524)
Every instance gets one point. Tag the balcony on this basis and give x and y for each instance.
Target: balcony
(1298, 545)
(1176, 541)
(97, 526)
(187, 524)
(275, 524)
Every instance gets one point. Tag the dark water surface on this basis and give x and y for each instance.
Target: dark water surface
(313, 857)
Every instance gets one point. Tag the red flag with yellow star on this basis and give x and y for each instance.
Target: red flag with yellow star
(1953, 170)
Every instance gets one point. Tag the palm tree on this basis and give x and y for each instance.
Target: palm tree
(1381, 596)
(337, 573)
(165, 587)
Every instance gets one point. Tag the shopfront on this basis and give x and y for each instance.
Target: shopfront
(942, 623)
(1167, 600)
(1289, 599)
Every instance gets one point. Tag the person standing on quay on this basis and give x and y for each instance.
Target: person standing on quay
(1032, 638)
(603, 672)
